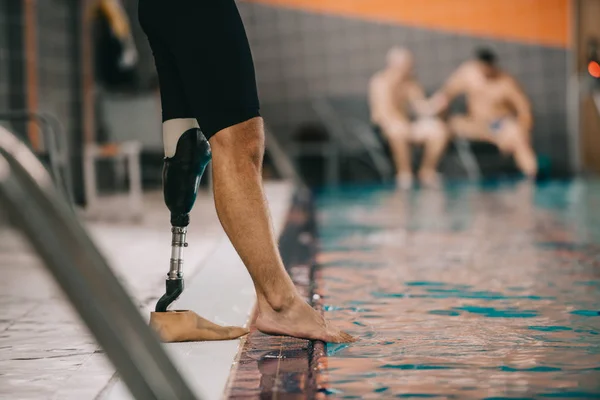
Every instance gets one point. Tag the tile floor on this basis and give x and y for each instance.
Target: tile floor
(46, 352)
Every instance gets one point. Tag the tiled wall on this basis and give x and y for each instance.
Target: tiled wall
(3, 59)
(55, 68)
(11, 56)
(56, 73)
(300, 55)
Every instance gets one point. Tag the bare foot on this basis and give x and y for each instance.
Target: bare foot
(300, 320)
(430, 179)
(187, 326)
(404, 180)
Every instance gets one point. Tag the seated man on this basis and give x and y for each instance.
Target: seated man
(394, 97)
(498, 110)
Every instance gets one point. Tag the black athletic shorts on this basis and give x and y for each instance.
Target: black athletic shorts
(203, 59)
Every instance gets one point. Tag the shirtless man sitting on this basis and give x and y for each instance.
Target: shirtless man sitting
(498, 110)
(394, 97)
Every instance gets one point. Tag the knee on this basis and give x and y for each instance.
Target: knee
(512, 139)
(241, 142)
(455, 125)
(438, 131)
(398, 131)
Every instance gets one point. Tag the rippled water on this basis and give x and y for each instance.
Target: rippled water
(475, 292)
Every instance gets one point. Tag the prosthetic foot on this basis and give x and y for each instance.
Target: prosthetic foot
(187, 326)
(183, 167)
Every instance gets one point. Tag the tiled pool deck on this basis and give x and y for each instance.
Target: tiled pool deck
(47, 353)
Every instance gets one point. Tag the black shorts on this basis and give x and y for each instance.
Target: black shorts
(203, 59)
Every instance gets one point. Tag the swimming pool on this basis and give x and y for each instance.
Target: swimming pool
(487, 291)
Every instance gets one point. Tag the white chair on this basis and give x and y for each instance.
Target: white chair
(127, 157)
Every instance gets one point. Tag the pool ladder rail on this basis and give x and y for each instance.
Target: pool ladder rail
(45, 217)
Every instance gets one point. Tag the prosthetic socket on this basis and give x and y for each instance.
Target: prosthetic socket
(181, 178)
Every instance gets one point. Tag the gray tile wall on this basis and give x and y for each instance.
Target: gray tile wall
(57, 70)
(56, 73)
(13, 75)
(146, 71)
(3, 57)
(300, 55)
(56, 76)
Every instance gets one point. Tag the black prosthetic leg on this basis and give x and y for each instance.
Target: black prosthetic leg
(181, 177)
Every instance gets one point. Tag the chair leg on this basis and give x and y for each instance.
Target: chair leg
(468, 159)
(135, 184)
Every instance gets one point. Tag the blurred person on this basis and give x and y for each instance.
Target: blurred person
(115, 58)
(396, 101)
(499, 112)
(207, 79)
(116, 54)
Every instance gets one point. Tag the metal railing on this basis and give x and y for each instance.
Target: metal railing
(341, 127)
(55, 142)
(35, 207)
(282, 162)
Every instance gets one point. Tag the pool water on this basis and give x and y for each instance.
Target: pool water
(488, 291)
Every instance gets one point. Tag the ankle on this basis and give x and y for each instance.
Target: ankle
(404, 180)
(427, 171)
(276, 302)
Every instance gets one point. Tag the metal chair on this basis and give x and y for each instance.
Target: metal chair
(353, 137)
(467, 158)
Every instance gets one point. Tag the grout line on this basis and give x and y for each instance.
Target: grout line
(236, 361)
(279, 357)
(25, 314)
(109, 385)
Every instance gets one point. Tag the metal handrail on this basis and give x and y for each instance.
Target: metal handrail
(364, 134)
(337, 128)
(54, 138)
(281, 160)
(466, 156)
(39, 211)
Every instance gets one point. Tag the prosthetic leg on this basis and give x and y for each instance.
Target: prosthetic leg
(181, 178)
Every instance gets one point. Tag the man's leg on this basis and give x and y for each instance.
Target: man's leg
(397, 133)
(186, 154)
(434, 136)
(242, 209)
(512, 140)
(215, 81)
(509, 139)
(526, 159)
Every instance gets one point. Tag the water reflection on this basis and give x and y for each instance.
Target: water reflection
(469, 293)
